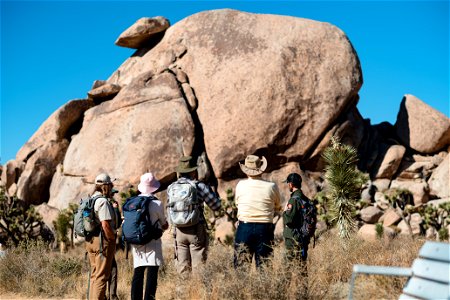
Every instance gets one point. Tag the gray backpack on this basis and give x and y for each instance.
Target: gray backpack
(85, 223)
(184, 209)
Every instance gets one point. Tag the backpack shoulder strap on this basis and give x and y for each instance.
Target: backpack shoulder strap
(299, 199)
(93, 199)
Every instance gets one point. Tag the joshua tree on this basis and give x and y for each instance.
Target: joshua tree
(18, 221)
(344, 185)
(401, 201)
(437, 218)
(62, 224)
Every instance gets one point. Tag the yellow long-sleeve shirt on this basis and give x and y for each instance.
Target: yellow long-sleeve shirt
(256, 200)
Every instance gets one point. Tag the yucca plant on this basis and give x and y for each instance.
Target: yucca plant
(344, 185)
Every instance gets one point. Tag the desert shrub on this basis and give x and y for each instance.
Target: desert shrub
(379, 229)
(131, 192)
(34, 271)
(31, 269)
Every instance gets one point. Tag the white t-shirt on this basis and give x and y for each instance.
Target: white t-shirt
(150, 254)
(104, 210)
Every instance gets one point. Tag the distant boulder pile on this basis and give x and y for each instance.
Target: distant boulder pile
(220, 85)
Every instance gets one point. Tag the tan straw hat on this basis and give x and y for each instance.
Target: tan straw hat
(253, 165)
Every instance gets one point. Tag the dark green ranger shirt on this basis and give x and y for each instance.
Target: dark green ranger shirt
(292, 216)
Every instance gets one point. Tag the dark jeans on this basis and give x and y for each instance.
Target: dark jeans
(253, 239)
(137, 284)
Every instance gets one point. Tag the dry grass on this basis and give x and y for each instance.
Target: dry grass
(38, 273)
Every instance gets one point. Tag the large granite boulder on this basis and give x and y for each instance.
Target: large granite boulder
(264, 82)
(390, 162)
(11, 174)
(139, 34)
(439, 181)
(61, 125)
(34, 183)
(147, 127)
(421, 127)
(419, 189)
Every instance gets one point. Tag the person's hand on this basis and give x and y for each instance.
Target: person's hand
(165, 226)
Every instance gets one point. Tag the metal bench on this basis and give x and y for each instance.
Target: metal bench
(429, 276)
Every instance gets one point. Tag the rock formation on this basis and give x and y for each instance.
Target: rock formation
(220, 85)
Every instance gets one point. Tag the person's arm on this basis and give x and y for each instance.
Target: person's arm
(162, 218)
(104, 209)
(290, 213)
(208, 196)
(108, 231)
(277, 200)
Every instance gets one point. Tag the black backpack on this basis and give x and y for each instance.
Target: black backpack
(137, 227)
(309, 218)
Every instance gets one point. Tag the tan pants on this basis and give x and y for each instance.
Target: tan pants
(192, 247)
(101, 265)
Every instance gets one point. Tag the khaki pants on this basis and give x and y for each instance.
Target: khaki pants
(101, 265)
(192, 247)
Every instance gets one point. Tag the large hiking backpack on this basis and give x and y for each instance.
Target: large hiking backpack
(309, 218)
(137, 228)
(184, 208)
(85, 223)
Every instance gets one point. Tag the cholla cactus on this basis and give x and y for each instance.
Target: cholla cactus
(344, 181)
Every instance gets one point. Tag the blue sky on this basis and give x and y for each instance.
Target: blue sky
(51, 52)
